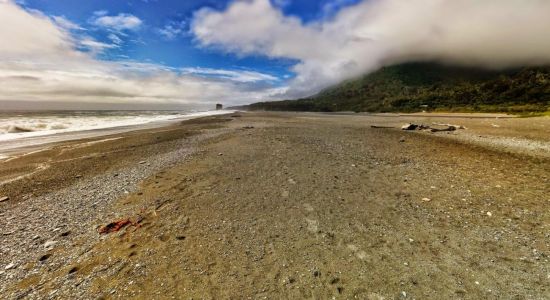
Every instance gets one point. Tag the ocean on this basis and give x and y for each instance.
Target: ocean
(31, 128)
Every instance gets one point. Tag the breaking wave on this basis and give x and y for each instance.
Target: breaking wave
(21, 125)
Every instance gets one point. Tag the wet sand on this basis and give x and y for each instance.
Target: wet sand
(284, 205)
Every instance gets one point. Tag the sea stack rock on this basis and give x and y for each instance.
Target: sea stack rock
(219, 106)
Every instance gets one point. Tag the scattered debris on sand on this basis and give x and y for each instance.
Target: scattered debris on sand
(116, 226)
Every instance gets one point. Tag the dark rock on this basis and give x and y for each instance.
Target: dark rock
(409, 127)
(44, 257)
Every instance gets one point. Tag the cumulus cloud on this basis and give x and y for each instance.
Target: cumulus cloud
(119, 22)
(42, 63)
(365, 36)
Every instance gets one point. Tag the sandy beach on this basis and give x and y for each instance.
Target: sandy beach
(255, 205)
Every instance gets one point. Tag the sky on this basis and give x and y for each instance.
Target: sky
(168, 54)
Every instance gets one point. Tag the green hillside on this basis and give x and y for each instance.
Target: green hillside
(415, 87)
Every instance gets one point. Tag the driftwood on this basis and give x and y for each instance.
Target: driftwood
(449, 127)
(381, 127)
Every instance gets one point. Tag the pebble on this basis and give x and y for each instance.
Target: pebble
(489, 214)
(50, 244)
(4, 198)
(426, 199)
(10, 266)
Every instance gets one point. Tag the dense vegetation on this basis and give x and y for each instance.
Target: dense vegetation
(415, 87)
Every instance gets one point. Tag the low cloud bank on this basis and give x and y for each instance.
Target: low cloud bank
(373, 33)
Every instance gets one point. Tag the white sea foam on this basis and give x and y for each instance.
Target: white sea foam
(23, 126)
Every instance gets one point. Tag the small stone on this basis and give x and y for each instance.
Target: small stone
(78, 176)
(426, 199)
(10, 266)
(316, 273)
(411, 240)
(4, 198)
(477, 282)
(489, 214)
(291, 181)
(285, 194)
(402, 139)
(220, 154)
(353, 165)
(142, 162)
(50, 244)
(404, 294)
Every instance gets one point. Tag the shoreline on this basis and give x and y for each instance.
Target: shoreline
(20, 145)
(281, 204)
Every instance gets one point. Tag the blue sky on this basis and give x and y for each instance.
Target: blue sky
(163, 36)
(178, 54)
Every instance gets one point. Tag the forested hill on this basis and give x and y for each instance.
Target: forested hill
(414, 87)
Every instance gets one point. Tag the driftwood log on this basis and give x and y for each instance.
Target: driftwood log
(449, 127)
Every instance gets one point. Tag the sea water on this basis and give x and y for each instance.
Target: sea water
(19, 124)
(29, 128)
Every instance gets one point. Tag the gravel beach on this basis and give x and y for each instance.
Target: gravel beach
(286, 206)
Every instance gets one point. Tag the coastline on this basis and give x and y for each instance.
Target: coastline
(283, 204)
(33, 143)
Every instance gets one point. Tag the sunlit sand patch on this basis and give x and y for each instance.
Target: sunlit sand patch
(312, 225)
(86, 144)
(362, 255)
(10, 158)
(39, 168)
(308, 207)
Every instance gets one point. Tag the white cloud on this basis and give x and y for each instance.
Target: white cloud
(99, 13)
(234, 75)
(115, 39)
(94, 46)
(41, 64)
(172, 30)
(119, 22)
(65, 23)
(362, 37)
